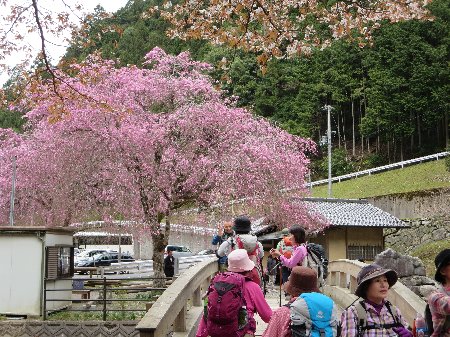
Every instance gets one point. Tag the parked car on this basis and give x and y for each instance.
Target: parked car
(103, 259)
(178, 250)
(206, 252)
(124, 257)
(89, 253)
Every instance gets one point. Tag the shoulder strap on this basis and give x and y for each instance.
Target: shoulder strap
(239, 242)
(362, 318)
(361, 314)
(389, 308)
(232, 243)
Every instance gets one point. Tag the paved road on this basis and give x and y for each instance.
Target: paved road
(273, 298)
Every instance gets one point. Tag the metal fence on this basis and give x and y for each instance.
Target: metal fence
(101, 293)
(401, 164)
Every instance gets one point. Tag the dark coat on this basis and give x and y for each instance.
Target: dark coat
(169, 266)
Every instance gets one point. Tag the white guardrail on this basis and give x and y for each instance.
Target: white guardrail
(401, 164)
(146, 266)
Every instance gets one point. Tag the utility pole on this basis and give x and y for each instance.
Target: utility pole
(328, 107)
(13, 191)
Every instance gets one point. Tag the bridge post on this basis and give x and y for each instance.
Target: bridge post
(197, 297)
(333, 278)
(353, 284)
(342, 280)
(179, 325)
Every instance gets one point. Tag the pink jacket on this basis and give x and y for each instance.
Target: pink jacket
(255, 303)
(279, 325)
(296, 258)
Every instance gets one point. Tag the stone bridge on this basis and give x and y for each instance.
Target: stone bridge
(178, 310)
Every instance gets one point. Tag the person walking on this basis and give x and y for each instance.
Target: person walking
(439, 300)
(244, 240)
(239, 266)
(374, 315)
(308, 313)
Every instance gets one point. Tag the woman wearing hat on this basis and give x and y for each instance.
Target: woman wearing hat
(244, 240)
(381, 317)
(439, 300)
(302, 286)
(239, 262)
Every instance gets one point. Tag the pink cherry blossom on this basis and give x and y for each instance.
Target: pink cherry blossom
(144, 144)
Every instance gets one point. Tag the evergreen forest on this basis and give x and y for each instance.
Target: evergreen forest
(389, 99)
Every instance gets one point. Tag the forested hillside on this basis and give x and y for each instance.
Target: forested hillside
(390, 98)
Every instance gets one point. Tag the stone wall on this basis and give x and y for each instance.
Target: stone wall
(422, 231)
(410, 270)
(416, 205)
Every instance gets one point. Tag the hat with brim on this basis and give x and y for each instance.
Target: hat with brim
(285, 231)
(372, 271)
(441, 260)
(301, 280)
(239, 262)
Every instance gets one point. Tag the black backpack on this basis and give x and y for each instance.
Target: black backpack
(362, 319)
(317, 259)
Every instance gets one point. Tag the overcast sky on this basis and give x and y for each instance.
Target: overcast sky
(56, 52)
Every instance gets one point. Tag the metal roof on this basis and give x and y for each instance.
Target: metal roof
(339, 213)
(353, 213)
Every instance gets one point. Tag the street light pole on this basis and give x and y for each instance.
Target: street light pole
(13, 191)
(328, 107)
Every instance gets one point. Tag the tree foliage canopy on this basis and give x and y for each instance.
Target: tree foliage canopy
(283, 27)
(149, 141)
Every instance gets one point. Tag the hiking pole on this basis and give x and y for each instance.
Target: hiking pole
(276, 266)
(281, 280)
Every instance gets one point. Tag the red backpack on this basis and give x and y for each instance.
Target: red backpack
(226, 313)
(240, 245)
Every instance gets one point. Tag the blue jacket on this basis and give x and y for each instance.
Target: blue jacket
(217, 240)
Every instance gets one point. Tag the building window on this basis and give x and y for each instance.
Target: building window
(59, 262)
(363, 252)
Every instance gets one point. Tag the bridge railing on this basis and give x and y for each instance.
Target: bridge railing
(179, 308)
(342, 285)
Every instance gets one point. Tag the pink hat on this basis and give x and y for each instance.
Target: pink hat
(239, 262)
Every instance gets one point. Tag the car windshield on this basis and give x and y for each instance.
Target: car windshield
(177, 249)
(88, 253)
(101, 256)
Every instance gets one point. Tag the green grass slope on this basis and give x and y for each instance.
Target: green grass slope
(427, 252)
(418, 177)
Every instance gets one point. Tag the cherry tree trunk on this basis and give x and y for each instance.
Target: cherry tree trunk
(158, 261)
